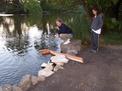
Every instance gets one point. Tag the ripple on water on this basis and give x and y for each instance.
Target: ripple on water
(13, 67)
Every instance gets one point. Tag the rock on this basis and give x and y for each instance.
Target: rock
(57, 67)
(41, 78)
(43, 65)
(15, 88)
(1, 88)
(45, 72)
(73, 52)
(72, 48)
(34, 80)
(7, 87)
(66, 37)
(25, 83)
(59, 59)
(49, 66)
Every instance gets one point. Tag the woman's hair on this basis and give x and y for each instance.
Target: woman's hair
(96, 9)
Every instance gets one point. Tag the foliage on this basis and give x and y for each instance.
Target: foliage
(112, 24)
(104, 5)
(109, 9)
(60, 5)
(14, 8)
(113, 38)
(32, 6)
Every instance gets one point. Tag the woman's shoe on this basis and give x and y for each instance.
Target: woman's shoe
(93, 51)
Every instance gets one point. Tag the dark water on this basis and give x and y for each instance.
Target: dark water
(22, 36)
(19, 45)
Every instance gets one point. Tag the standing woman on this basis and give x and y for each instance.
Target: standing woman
(96, 26)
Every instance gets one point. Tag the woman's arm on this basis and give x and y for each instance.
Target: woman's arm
(100, 21)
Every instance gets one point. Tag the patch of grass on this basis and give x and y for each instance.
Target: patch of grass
(113, 38)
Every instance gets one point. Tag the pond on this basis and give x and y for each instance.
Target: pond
(22, 36)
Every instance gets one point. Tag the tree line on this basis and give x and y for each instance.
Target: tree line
(110, 8)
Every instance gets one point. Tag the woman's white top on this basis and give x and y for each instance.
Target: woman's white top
(97, 31)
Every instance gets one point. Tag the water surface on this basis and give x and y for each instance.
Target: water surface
(22, 36)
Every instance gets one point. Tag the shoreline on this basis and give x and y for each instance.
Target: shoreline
(28, 81)
(101, 72)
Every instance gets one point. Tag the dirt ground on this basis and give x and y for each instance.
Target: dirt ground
(101, 72)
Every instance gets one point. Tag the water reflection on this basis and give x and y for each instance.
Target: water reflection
(22, 36)
(18, 50)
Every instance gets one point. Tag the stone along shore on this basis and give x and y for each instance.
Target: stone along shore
(28, 80)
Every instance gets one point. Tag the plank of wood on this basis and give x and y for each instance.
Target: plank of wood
(68, 56)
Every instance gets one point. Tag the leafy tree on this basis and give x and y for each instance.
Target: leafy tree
(32, 6)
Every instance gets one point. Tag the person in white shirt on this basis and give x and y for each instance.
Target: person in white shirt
(96, 27)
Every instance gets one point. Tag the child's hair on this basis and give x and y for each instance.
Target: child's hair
(59, 20)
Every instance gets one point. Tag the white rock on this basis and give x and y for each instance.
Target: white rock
(7, 87)
(49, 66)
(15, 88)
(41, 78)
(72, 52)
(25, 83)
(59, 59)
(45, 72)
(44, 65)
(1, 88)
(34, 80)
(57, 67)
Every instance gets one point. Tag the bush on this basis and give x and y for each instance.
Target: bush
(32, 6)
(113, 25)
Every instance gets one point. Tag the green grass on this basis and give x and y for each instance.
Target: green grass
(113, 38)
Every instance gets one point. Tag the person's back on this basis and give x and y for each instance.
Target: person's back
(64, 29)
(64, 32)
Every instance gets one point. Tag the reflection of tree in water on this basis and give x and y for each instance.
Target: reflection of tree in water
(46, 41)
(7, 23)
(16, 39)
(20, 42)
(18, 45)
(47, 37)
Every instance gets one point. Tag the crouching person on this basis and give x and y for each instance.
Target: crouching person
(64, 32)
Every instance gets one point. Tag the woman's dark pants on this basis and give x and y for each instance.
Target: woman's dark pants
(94, 41)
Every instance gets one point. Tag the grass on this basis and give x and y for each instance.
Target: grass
(113, 38)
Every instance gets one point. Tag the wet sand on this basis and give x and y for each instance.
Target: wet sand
(101, 72)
